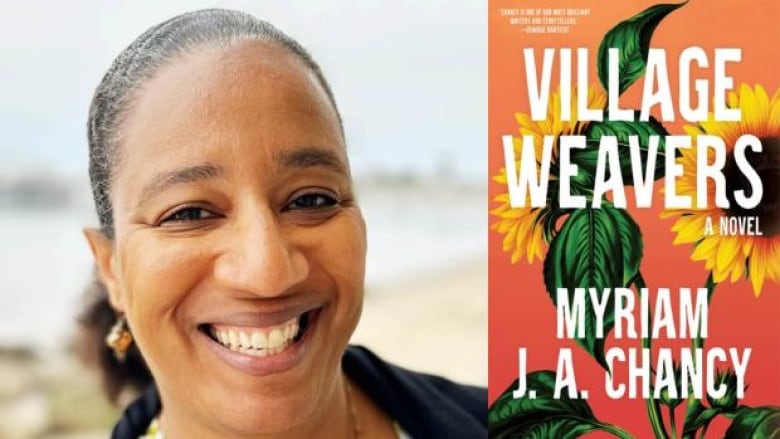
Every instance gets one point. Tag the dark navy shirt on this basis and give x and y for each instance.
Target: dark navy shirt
(426, 406)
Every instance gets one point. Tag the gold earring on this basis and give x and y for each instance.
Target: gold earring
(119, 338)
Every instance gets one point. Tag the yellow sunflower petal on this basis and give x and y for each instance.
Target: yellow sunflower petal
(515, 213)
(719, 276)
(556, 120)
(773, 260)
(705, 248)
(709, 263)
(733, 100)
(682, 223)
(773, 124)
(499, 211)
(691, 229)
(692, 130)
(516, 255)
(502, 197)
(758, 264)
(504, 226)
(509, 239)
(727, 252)
(525, 121)
(720, 129)
(751, 115)
(532, 248)
(538, 245)
(748, 247)
(738, 269)
(522, 235)
(518, 141)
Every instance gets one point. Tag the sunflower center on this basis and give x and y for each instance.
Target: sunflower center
(767, 166)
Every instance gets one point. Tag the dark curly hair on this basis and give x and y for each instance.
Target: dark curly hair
(155, 48)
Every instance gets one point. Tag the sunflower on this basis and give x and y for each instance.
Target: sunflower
(736, 256)
(523, 227)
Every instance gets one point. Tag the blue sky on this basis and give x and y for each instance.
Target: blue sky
(410, 76)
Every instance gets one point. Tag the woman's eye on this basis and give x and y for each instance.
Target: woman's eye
(312, 201)
(188, 214)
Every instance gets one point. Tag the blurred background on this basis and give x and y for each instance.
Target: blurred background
(410, 80)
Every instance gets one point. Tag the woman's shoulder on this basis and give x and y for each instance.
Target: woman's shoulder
(425, 405)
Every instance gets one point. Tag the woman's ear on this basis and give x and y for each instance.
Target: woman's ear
(103, 252)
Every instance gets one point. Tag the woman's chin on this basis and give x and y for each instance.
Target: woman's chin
(240, 416)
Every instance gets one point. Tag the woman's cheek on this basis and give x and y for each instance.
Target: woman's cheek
(345, 255)
(342, 243)
(158, 273)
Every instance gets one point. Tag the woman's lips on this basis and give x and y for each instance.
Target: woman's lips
(262, 350)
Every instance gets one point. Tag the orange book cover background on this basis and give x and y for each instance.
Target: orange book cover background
(521, 313)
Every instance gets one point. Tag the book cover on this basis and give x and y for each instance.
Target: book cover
(634, 250)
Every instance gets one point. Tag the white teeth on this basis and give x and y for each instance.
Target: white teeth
(257, 341)
(243, 339)
(275, 339)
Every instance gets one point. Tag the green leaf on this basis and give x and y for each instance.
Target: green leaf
(697, 416)
(587, 159)
(544, 417)
(632, 37)
(755, 423)
(598, 248)
(550, 214)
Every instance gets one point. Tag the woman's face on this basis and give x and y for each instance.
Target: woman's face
(239, 248)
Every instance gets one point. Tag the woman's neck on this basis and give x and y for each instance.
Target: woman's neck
(338, 415)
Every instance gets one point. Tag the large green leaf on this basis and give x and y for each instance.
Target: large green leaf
(755, 423)
(587, 159)
(632, 37)
(544, 417)
(598, 248)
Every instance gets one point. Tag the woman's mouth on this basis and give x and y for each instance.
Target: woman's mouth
(261, 341)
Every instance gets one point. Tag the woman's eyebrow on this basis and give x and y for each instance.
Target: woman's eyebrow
(312, 156)
(189, 174)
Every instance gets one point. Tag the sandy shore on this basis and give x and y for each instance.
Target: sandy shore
(435, 324)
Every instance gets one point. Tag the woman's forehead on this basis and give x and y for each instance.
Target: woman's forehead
(254, 92)
(241, 107)
(251, 76)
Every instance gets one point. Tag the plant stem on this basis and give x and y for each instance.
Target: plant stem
(698, 342)
(617, 431)
(672, 422)
(653, 408)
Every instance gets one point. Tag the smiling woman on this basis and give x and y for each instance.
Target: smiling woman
(231, 252)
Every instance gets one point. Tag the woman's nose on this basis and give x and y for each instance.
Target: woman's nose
(260, 260)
